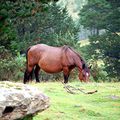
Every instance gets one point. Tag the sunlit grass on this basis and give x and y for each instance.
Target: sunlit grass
(103, 105)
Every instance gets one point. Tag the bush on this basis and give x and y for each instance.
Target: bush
(12, 68)
(97, 72)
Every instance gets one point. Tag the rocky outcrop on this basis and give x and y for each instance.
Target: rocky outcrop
(18, 100)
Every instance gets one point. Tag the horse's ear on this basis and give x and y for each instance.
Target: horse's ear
(90, 67)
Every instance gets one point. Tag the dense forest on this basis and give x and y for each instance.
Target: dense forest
(25, 23)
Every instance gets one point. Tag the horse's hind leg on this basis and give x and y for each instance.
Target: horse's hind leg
(31, 75)
(25, 77)
(27, 74)
(37, 69)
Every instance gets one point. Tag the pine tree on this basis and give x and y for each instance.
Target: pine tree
(24, 23)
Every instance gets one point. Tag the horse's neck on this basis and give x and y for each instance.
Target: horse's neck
(80, 63)
(73, 57)
(78, 60)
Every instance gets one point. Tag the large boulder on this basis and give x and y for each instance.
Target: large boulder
(18, 100)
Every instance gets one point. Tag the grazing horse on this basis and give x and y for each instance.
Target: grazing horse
(54, 60)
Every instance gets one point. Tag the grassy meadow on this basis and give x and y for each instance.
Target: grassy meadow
(103, 105)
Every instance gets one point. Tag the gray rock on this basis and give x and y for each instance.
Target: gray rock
(18, 100)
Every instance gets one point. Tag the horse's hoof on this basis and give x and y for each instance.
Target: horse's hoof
(38, 82)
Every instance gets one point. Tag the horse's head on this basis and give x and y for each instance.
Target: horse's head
(85, 73)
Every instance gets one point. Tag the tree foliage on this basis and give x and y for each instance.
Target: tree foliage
(24, 23)
(94, 14)
(56, 25)
(14, 17)
(104, 15)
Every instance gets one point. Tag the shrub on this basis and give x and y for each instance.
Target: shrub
(11, 68)
(97, 72)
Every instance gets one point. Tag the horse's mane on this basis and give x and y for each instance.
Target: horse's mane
(66, 48)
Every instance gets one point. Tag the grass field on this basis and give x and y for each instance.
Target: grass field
(103, 105)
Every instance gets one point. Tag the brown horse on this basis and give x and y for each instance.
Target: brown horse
(54, 60)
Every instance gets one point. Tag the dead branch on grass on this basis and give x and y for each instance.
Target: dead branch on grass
(73, 90)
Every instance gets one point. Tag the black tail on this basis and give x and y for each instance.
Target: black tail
(27, 55)
(27, 75)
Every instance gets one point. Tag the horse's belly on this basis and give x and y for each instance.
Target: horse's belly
(52, 70)
(51, 67)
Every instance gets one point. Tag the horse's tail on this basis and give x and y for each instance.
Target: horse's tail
(26, 74)
(31, 73)
(27, 55)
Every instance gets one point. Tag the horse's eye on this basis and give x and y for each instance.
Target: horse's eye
(83, 75)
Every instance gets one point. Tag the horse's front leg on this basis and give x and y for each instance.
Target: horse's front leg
(66, 78)
(66, 73)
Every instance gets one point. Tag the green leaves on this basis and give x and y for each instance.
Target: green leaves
(102, 15)
(93, 14)
(24, 23)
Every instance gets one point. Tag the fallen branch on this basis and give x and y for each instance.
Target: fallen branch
(91, 92)
(68, 90)
(71, 89)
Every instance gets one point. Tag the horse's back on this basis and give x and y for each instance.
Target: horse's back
(44, 48)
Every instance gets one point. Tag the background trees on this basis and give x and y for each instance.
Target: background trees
(103, 19)
(25, 23)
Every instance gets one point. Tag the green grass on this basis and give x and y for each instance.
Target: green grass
(103, 105)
